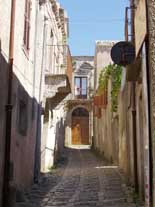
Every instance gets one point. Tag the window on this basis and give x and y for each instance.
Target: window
(80, 87)
(27, 24)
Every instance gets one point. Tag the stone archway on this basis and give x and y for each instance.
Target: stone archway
(80, 126)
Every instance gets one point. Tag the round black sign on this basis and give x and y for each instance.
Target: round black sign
(123, 53)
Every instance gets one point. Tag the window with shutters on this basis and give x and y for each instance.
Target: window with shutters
(27, 17)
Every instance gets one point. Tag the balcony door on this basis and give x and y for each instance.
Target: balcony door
(80, 89)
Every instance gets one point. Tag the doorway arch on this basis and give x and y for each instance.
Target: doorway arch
(80, 126)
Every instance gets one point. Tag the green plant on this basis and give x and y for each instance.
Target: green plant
(116, 83)
(103, 78)
(114, 72)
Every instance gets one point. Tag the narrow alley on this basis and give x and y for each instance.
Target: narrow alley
(85, 181)
(77, 108)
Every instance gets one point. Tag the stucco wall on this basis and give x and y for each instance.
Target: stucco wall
(26, 76)
(53, 135)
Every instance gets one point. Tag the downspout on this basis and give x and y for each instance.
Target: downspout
(134, 103)
(8, 107)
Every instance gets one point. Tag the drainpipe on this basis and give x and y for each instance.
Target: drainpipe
(132, 5)
(7, 165)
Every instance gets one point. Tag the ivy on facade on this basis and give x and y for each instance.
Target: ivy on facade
(113, 72)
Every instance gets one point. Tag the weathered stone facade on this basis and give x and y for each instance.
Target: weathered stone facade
(151, 51)
(35, 48)
(58, 74)
(134, 137)
(106, 124)
(83, 67)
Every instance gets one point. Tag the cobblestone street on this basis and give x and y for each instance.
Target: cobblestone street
(84, 181)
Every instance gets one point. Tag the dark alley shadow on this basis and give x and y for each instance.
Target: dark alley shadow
(25, 130)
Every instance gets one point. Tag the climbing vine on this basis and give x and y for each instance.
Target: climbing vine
(114, 72)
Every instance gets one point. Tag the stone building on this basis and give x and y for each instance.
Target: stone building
(105, 121)
(134, 121)
(58, 75)
(33, 36)
(79, 115)
(19, 47)
(134, 135)
(125, 138)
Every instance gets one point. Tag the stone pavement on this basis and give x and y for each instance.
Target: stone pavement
(85, 181)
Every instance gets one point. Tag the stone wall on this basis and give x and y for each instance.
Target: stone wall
(106, 131)
(151, 50)
(134, 129)
(105, 127)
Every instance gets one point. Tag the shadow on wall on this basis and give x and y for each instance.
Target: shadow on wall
(3, 95)
(59, 141)
(25, 132)
(26, 135)
(53, 133)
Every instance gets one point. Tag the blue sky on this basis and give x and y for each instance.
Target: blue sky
(94, 20)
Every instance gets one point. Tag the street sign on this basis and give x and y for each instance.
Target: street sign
(123, 53)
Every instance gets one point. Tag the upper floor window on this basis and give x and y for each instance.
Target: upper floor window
(27, 24)
(80, 88)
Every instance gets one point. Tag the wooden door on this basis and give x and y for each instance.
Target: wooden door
(80, 130)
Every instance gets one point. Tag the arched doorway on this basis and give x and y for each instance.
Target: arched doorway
(80, 126)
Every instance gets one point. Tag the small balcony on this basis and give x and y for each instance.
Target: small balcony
(80, 93)
(59, 83)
